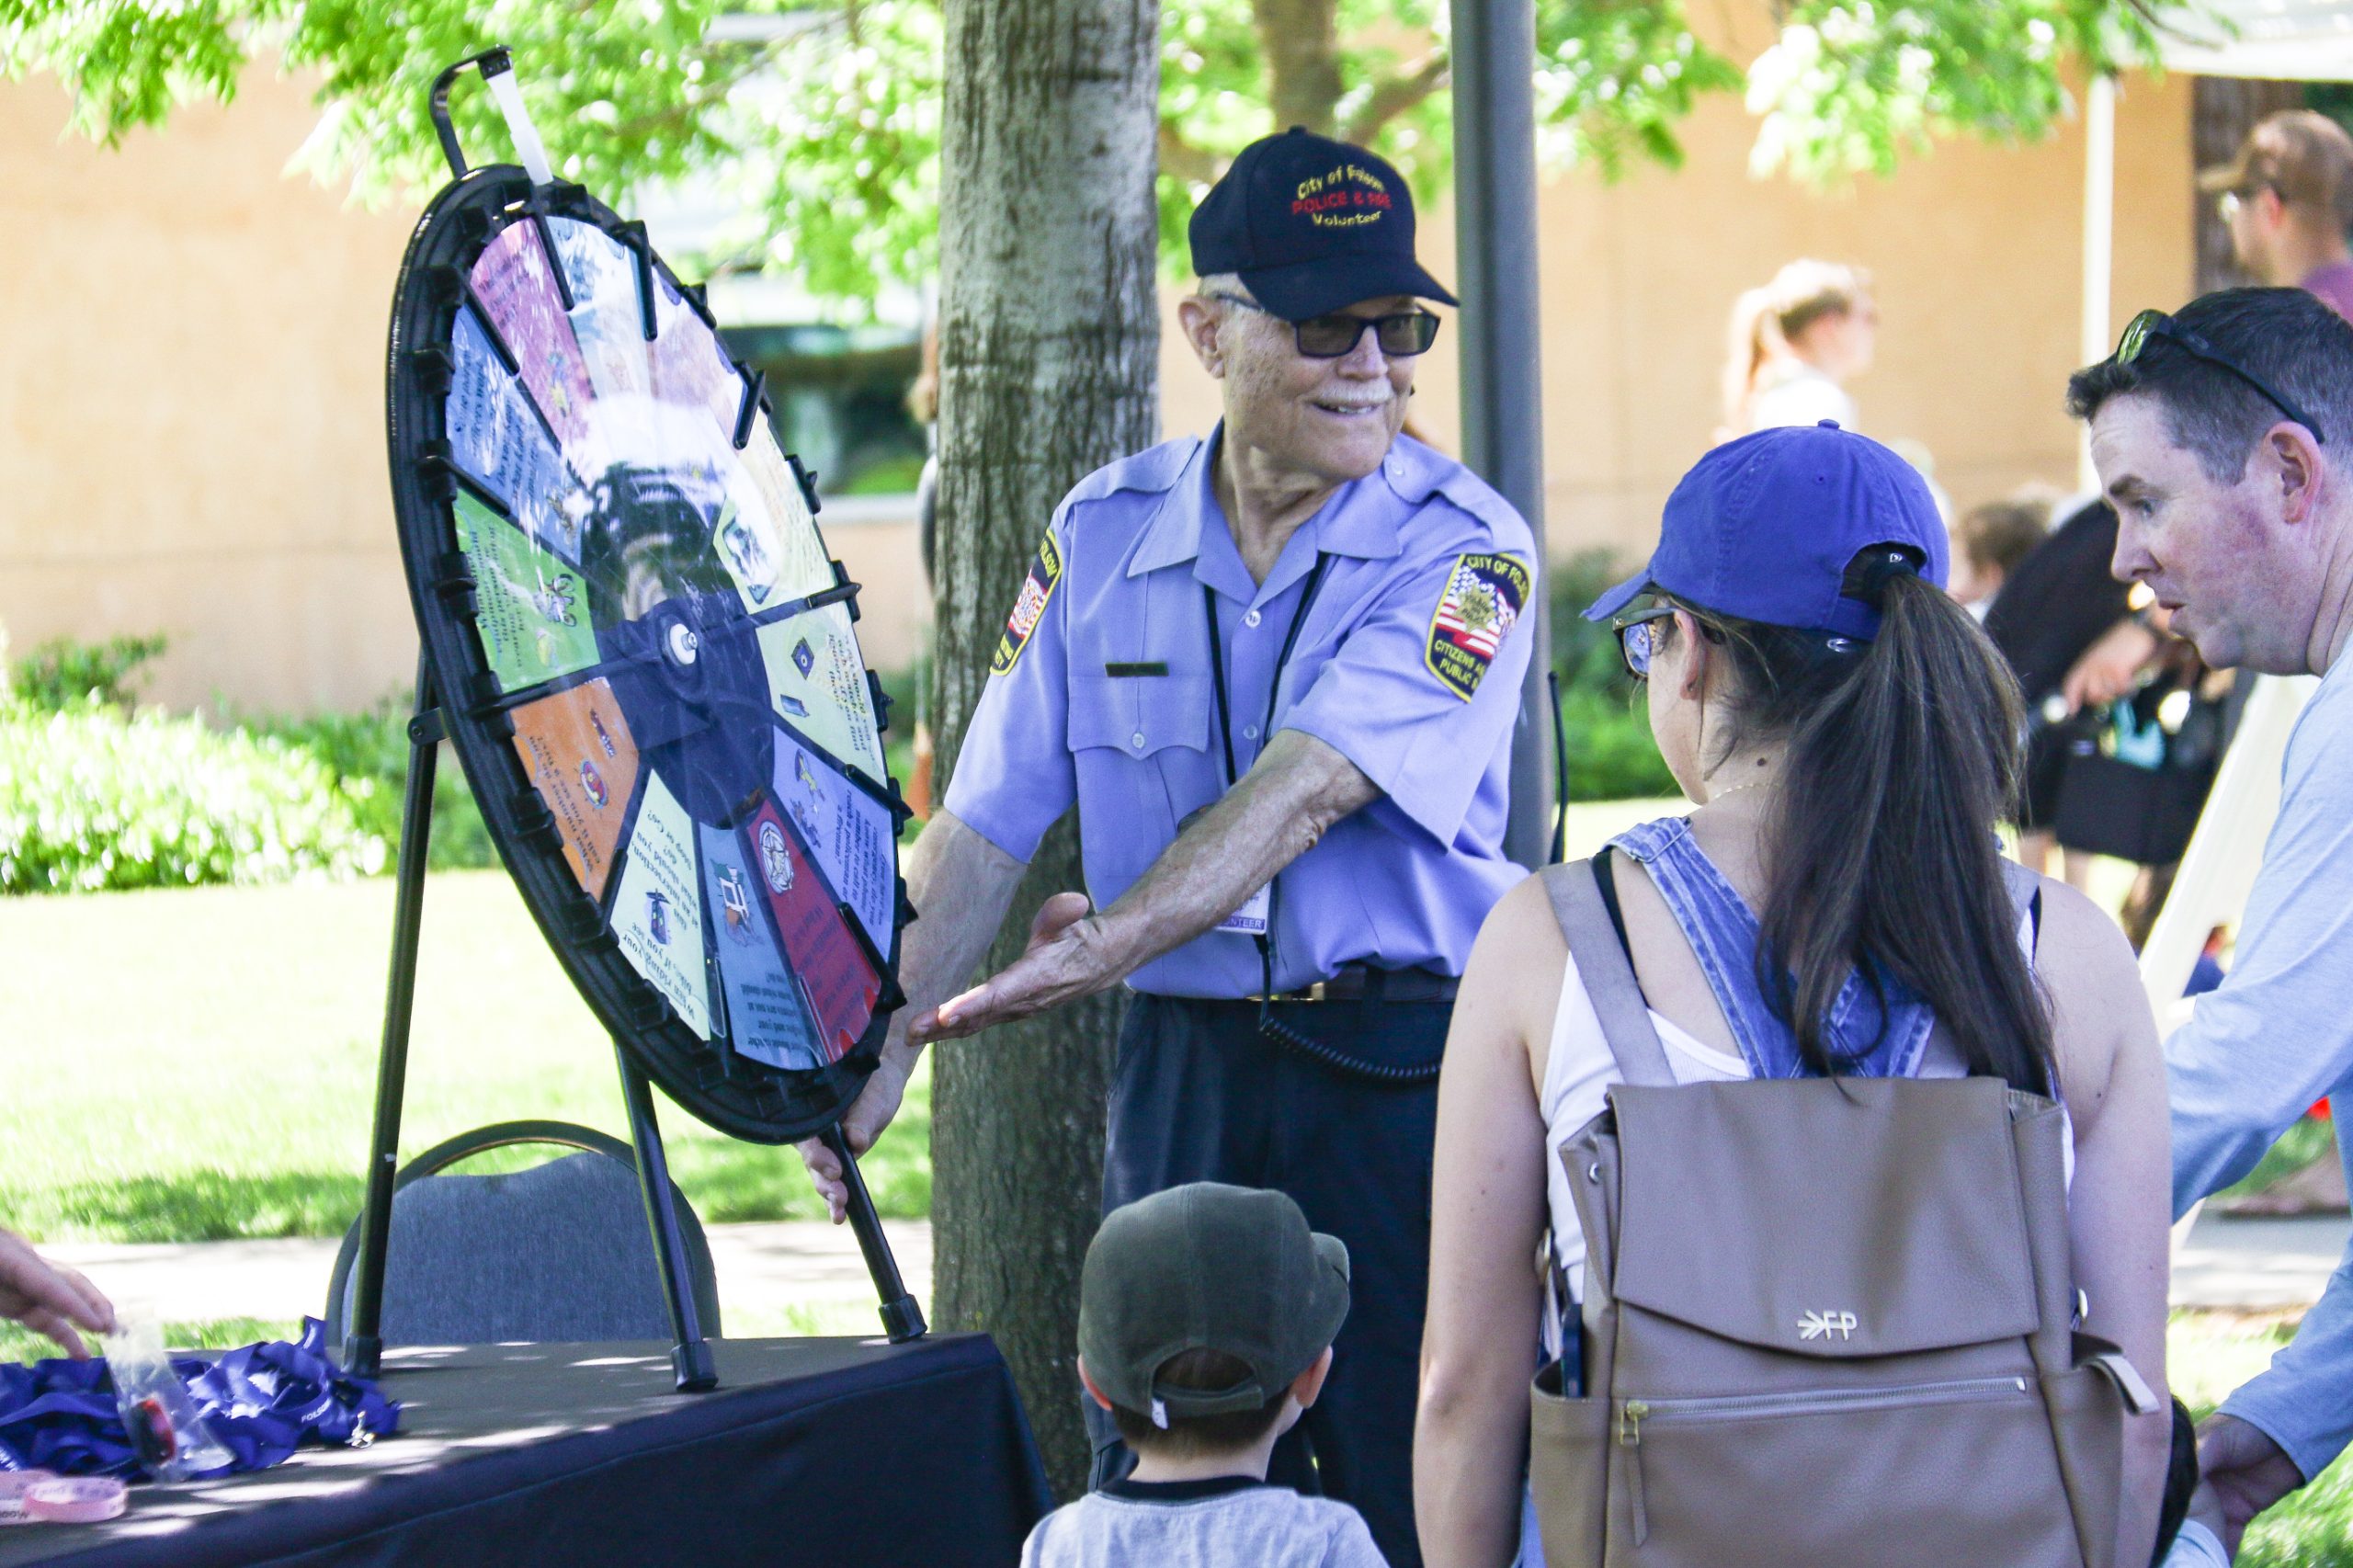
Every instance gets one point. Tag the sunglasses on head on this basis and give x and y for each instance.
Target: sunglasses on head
(2152, 324)
(1401, 337)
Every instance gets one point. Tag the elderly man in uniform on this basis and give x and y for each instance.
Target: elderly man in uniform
(1276, 671)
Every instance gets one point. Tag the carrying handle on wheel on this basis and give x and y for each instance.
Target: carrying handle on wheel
(497, 67)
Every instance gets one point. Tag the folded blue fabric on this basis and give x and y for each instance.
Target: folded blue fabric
(262, 1401)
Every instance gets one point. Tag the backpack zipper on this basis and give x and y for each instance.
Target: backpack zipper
(1633, 1412)
(1807, 1402)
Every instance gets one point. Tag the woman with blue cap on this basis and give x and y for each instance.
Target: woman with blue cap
(1849, 739)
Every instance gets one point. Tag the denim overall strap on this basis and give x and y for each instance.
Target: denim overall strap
(1725, 934)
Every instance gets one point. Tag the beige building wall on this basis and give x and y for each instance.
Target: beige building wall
(192, 406)
(191, 419)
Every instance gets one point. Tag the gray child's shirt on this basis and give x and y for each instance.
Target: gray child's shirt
(1230, 1522)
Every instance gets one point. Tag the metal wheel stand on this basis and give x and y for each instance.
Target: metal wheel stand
(690, 1356)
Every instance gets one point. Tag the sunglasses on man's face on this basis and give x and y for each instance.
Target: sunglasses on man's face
(2151, 325)
(1334, 336)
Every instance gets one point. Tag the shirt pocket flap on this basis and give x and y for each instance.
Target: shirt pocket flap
(1138, 715)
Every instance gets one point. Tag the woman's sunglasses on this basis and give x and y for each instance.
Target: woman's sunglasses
(1638, 638)
(1401, 337)
(2152, 324)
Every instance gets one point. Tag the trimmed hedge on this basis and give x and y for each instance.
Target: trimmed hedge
(366, 755)
(94, 798)
(59, 673)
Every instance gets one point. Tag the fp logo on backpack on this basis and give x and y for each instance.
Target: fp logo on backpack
(1823, 1324)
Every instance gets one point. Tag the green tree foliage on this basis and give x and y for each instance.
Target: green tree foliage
(823, 116)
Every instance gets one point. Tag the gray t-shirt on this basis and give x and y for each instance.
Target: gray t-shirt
(1232, 1520)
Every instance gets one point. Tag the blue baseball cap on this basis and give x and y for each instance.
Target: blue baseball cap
(1311, 226)
(1766, 528)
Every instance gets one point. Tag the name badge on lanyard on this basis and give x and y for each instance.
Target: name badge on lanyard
(1256, 917)
(1251, 918)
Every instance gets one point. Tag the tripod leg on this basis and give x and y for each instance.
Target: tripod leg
(690, 1356)
(363, 1346)
(902, 1318)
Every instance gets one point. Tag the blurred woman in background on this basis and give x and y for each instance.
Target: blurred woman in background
(1794, 345)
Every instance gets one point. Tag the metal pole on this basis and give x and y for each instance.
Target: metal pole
(902, 1318)
(363, 1344)
(1502, 430)
(690, 1359)
(2099, 245)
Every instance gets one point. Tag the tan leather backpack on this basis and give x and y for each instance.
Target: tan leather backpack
(1827, 1323)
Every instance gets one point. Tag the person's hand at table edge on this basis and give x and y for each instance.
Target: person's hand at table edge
(49, 1298)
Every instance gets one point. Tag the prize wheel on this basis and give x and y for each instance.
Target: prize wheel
(643, 653)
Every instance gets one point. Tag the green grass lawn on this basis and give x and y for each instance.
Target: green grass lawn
(196, 1064)
(2209, 1354)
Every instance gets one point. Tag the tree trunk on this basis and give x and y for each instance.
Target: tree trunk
(1301, 40)
(1049, 337)
(2222, 110)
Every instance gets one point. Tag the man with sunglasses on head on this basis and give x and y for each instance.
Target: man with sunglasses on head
(1276, 669)
(2222, 437)
(2287, 199)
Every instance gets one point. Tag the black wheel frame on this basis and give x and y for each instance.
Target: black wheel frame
(742, 1098)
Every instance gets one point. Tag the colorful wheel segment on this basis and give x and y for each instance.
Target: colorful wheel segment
(646, 657)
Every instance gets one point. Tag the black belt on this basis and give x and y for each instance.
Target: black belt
(1364, 982)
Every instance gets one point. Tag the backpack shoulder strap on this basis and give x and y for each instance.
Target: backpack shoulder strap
(2026, 898)
(1608, 976)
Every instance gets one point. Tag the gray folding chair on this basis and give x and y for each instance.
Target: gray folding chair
(557, 1253)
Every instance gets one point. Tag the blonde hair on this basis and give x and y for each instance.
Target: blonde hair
(1765, 319)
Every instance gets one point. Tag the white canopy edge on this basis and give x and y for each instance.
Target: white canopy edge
(2302, 40)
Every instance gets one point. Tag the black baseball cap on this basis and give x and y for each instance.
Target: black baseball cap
(1312, 225)
(1208, 1267)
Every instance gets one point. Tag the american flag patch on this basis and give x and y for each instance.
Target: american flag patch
(1481, 603)
(1029, 608)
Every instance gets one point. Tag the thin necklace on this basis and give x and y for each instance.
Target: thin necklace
(1715, 795)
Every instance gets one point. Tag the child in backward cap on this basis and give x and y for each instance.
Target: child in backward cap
(1205, 1324)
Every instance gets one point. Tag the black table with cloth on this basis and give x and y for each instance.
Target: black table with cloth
(820, 1451)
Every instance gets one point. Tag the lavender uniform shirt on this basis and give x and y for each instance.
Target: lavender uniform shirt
(1407, 661)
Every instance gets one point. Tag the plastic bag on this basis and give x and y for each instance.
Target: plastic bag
(171, 1437)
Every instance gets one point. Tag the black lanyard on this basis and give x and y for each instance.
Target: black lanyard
(1264, 939)
(1282, 662)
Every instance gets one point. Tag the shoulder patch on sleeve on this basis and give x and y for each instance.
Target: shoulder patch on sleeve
(1036, 589)
(1482, 601)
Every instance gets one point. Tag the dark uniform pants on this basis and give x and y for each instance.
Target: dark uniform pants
(1201, 1095)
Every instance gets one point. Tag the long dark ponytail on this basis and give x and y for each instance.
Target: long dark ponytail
(1899, 756)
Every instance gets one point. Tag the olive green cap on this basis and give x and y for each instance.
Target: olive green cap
(1208, 1267)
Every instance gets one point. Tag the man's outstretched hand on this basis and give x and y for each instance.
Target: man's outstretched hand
(49, 1298)
(1064, 960)
(2245, 1472)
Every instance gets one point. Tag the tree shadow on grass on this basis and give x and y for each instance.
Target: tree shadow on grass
(727, 1182)
(188, 1206)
